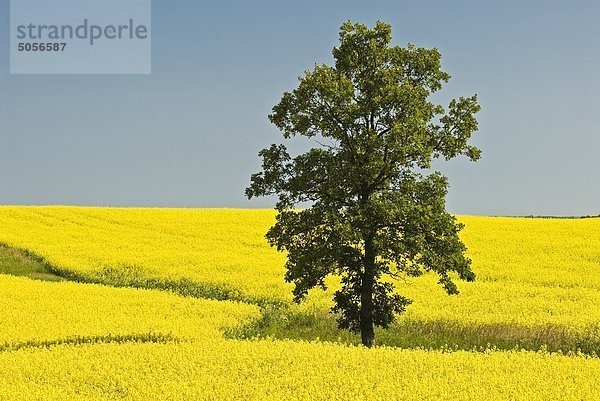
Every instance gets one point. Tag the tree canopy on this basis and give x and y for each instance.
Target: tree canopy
(376, 211)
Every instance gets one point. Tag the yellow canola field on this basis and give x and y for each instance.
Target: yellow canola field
(33, 313)
(285, 370)
(529, 271)
(198, 363)
(223, 247)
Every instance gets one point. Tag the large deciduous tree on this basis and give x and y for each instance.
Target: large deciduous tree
(375, 212)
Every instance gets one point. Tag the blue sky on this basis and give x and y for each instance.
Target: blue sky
(189, 133)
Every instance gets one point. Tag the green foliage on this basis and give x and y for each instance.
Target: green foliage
(373, 214)
(282, 324)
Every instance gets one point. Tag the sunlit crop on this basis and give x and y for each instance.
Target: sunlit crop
(34, 313)
(224, 248)
(283, 370)
(538, 286)
(529, 271)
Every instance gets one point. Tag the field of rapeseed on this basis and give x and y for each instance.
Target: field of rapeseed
(284, 370)
(538, 287)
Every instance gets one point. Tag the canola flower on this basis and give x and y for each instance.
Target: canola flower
(529, 271)
(222, 248)
(35, 313)
(285, 370)
(66, 341)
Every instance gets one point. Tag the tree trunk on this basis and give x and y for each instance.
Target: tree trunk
(366, 296)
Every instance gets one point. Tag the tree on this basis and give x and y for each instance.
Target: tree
(375, 214)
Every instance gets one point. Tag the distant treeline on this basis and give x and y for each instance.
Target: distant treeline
(558, 217)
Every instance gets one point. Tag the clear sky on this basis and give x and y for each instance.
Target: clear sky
(189, 133)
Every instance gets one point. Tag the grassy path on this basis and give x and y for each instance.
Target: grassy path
(20, 263)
